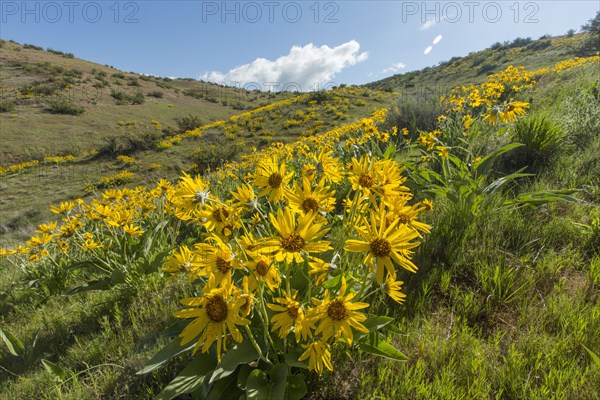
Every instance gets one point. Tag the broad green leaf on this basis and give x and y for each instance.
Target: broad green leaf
(291, 359)
(374, 344)
(257, 386)
(241, 353)
(15, 347)
(225, 388)
(390, 151)
(164, 355)
(279, 375)
(242, 376)
(55, 370)
(296, 388)
(191, 378)
(333, 282)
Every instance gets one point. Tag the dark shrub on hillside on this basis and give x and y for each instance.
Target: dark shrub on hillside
(64, 106)
(539, 45)
(122, 98)
(6, 106)
(188, 123)
(156, 93)
(320, 96)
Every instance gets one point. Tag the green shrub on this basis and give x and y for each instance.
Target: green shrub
(7, 106)
(542, 140)
(64, 106)
(415, 116)
(122, 98)
(188, 123)
(156, 93)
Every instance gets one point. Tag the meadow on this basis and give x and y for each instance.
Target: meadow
(358, 243)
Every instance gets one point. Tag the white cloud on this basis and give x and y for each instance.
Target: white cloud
(428, 50)
(437, 39)
(304, 68)
(428, 24)
(394, 68)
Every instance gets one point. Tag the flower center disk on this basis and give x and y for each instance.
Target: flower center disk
(337, 311)
(366, 181)
(380, 247)
(223, 265)
(262, 268)
(275, 180)
(293, 312)
(220, 214)
(216, 308)
(309, 204)
(292, 243)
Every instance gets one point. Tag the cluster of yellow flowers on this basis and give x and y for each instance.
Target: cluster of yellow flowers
(127, 160)
(92, 227)
(116, 179)
(12, 169)
(60, 159)
(494, 98)
(282, 240)
(571, 63)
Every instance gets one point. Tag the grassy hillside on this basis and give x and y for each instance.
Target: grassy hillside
(432, 82)
(40, 88)
(489, 197)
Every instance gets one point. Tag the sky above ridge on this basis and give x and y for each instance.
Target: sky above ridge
(275, 45)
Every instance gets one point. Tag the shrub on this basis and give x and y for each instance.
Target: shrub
(64, 106)
(122, 98)
(188, 123)
(541, 138)
(7, 106)
(414, 116)
(156, 93)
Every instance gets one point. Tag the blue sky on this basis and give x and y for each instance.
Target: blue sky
(281, 43)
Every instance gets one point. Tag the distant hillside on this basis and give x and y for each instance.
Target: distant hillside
(60, 104)
(473, 68)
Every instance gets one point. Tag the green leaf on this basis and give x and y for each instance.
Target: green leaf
(15, 347)
(296, 388)
(57, 371)
(291, 359)
(593, 355)
(536, 199)
(257, 385)
(390, 151)
(374, 344)
(164, 355)
(484, 165)
(376, 322)
(241, 353)
(333, 282)
(224, 389)
(279, 375)
(191, 378)
(500, 182)
(242, 376)
(99, 284)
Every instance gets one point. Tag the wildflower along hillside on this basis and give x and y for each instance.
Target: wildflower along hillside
(374, 259)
